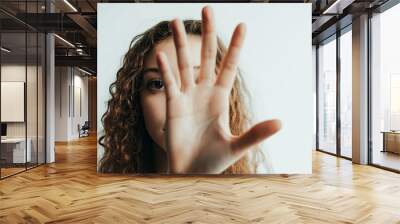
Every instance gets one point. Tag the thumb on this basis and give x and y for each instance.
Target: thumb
(255, 135)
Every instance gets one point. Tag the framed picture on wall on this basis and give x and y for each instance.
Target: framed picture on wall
(204, 88)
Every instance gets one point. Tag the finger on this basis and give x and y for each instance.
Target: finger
(166, 73)
(208, 45)
(182, 52)
(255, 135)
(231, 59)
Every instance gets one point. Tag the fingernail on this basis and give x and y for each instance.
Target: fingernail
(278, 123)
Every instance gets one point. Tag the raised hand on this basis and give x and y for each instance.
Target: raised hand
(198, 136)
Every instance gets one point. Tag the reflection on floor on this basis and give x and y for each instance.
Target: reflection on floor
(387, 159)
(71, 191)
(10, 169)
(346, 152)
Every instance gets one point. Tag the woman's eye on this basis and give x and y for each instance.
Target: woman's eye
(156, 84)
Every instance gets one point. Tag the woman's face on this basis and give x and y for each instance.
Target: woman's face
(152, 96)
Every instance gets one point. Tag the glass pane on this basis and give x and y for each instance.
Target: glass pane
(23, 82)
(31, 100)
(327, 97)
(346, 93)
(13, 87)
(41, 98)
(32, 87)
(386, 89)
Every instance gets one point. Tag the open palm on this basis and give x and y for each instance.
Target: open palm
(198, 136)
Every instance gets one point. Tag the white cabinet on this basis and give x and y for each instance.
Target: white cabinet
(16, 148)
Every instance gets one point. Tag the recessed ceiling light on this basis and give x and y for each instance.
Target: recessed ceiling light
(84, 71)
(337, 7)
(5, 50)
(64, 40)
(70, 5)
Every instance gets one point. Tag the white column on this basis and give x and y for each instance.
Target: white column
(360, 90)
(50, 92)
(50, 100)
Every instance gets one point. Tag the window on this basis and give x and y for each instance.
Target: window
(346, 94)
(327, 97)
(385, 88)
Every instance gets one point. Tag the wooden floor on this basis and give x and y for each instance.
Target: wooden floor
(10, 171)
(70, 191)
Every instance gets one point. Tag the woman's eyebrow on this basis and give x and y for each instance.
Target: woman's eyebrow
(145, 70)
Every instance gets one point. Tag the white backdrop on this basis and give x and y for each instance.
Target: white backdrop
(275, 59)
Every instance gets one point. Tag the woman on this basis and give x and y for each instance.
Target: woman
(177, 105)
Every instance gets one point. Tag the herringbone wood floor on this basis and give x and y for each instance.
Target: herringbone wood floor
(70, 191)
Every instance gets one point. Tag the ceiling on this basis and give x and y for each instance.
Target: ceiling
(76, 22)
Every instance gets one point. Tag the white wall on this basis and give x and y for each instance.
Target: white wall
(34, 124)
(80, 83)
(61, 103)
(15, 72)
(67, 115)
(12, 73)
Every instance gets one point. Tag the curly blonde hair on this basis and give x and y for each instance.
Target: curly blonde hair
(127, 145)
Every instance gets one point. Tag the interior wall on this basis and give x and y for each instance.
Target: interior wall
(71, 87)
(80, 109)
(16, 72)
(61, 103)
